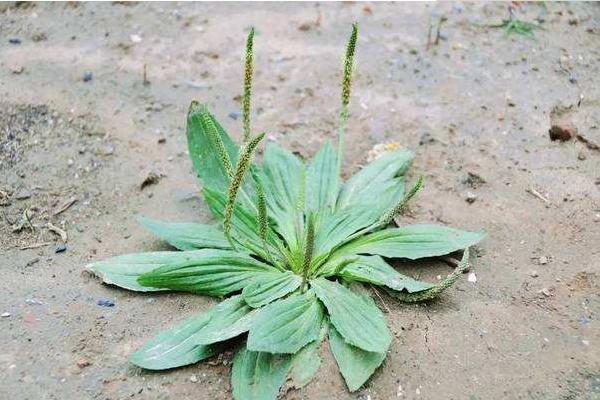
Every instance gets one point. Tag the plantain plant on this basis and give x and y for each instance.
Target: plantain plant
(293, 256)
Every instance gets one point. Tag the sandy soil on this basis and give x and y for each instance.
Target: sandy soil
(476, 104)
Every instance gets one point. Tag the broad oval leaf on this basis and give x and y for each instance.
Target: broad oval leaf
(282, 179)
(203, 150)
(376, 181)
(212, 272)
(186, 236)
(322, 180)
(373, 269)
(334, 227)
(258, 375)
(286, 326)
(356, 365)
(175, 347)
(360, 321)
(124, 271)
(229, 319)
(307, 361)
(272, 287)
(413, 241)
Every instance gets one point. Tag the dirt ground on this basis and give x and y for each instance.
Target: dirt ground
(80, 130)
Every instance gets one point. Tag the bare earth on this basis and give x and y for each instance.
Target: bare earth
(476, 105)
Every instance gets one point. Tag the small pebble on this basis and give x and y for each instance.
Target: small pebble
(545, 292)
(585, 342)
(534, 274)
(151, 300)
(472, 277)
(543, 260)
(5, 315)
(234, 115)
(87, 76)
(471, 197)
(61, 248)
(194, 379)
(14, 41)
(83, 363)
(106, 303)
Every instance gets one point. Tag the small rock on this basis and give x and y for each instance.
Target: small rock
(162, 140)
(135, 38)
(473, 180)
(545, 292)
(534, 274)
(426, 138)
(33, 302)
(472, 277)
(83, 363)
(194, 379)
(16, 69)
(87, 76)
(107, 150)
(305, 27)
(152, 177)
(234, 115)
(5, 315)
(14, 41)
(543, 260)
(471, 197)
(22, 194)
(585, 342)
(106, 303)
(560, 133)
(150, 300)
(61, 248)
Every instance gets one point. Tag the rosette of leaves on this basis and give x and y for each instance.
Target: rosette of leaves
(293, 249)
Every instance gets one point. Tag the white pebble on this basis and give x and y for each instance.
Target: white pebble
(472, 277)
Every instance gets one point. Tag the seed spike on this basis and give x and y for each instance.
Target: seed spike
(262, 216)
(241, 168)
(309, 245)
(398, 208)
(214, 135)
(346, 91)
(248, 72)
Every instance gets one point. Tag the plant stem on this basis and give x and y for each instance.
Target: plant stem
(346, 90)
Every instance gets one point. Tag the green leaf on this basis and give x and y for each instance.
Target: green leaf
(282, 172)
(124, 271)
(286, 326)
(307, 361)
(376, 181)
(186, 236)
(334, 228)
(356, 365)
(258, 375)
(204, 152)
(413, 241)
(175, 347)
(373, 269)
(212, 272)
(273, 287)
(435, 291)
(230, 318)
(322, 180)
(360, 321)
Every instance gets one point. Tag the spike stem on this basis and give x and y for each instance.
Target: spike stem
(248, 71)
(346, 91)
